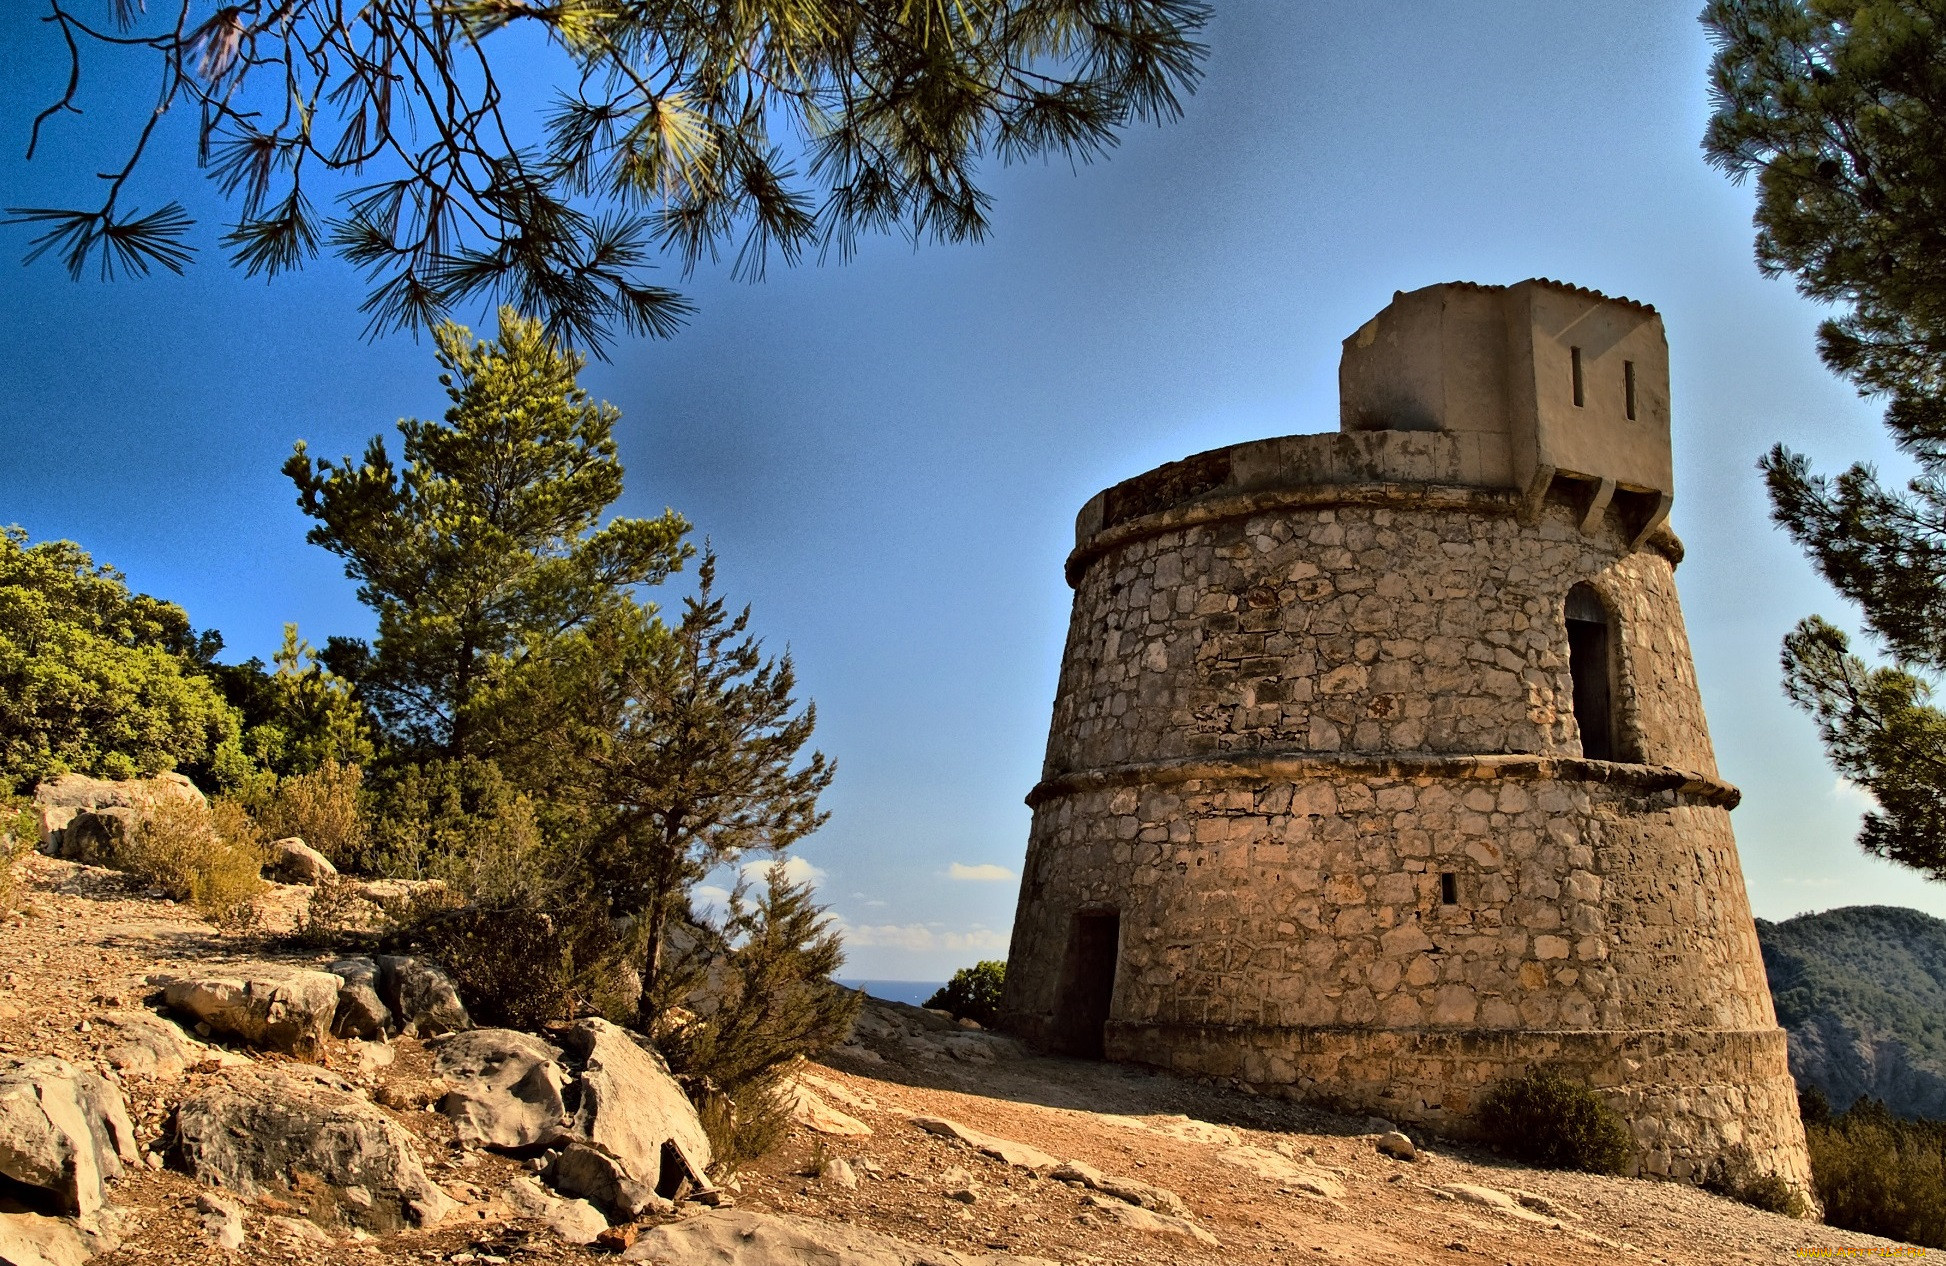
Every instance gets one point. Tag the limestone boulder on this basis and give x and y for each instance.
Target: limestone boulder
(267, 1005)
(360, 1013)
(742, 1237)
(80, 818)
(593, 1174)
(505, 1088)
(630, 1107)
(422, 997)
(28, 1239)
(292, 861)
(256, 1132)
(64, 1132)
(575, 1221)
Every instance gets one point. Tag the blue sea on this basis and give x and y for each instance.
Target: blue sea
(914, 992)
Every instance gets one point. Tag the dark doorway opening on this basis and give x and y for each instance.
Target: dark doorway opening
(1087, 984)
(1589, 666)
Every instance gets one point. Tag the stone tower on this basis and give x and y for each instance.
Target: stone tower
(1378, 770)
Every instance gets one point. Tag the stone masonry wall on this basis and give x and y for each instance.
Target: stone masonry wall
(1275, 732)
(1366, 628)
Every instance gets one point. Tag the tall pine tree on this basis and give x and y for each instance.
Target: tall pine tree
(1838, 108)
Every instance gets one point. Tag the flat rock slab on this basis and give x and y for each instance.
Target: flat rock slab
(1492, 1198)
(809, 1110)
(258, 1131)
(1129, 1190)
(575, 1221)
(141, 1044)
(267, 1005)
(64, 1131)
(506, 1088)
(1019, 1155)
(1137, 1218)
(630, 1106)
(742, 1237)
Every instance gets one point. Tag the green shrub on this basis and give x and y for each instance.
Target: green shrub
(1544, 1119)
(324, 808)
(1879, 1173)
(211, 858)
(973, 993)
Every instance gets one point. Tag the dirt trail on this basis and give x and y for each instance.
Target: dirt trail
(1240, 1163)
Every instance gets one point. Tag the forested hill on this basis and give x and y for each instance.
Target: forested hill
(1862, 991)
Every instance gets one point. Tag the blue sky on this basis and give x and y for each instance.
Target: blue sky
(888, 455)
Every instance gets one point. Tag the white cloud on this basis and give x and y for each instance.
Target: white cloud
(796, 869)
(917, 936)
(985, 873)
(1853, 796)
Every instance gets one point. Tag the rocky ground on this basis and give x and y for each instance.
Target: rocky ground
(975, 1148)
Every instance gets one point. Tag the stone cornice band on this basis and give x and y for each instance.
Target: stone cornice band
(1294, 766)
(1243, 505)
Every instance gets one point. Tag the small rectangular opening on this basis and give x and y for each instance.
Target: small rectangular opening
(1628, 387)
(1448, 888)
(1574, 360)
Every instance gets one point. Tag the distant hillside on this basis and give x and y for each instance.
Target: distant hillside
(1862, 991)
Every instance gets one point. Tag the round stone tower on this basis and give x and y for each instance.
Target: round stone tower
(1378, 770)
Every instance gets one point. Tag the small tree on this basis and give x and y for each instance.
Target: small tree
(973, 993)
(776, 1005)
(297, 715)
(489, 545)
(692, 741)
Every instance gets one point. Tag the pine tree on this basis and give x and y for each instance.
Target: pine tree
(777, 125)
(691, 740)
(489, 545)
(1838, 108)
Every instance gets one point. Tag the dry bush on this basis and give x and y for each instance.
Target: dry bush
(18, 833)
(212, 858)
(1546, 1120)
(325, 809)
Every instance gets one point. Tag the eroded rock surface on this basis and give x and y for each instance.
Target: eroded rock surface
(506, 1088)
(141, 1044)
(258, 1131)
(575, 1221)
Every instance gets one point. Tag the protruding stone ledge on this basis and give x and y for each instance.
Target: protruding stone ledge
(1684, 785)
(1222, 506)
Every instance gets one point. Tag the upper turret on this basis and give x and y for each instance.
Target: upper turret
(1539, 382)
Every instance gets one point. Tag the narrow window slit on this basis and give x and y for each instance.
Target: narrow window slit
(1574, 360)
(1628, 387)
(1448, 888)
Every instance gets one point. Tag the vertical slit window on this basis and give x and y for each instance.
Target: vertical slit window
(1574, 363)
(1448, 889)
(1628, 387)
